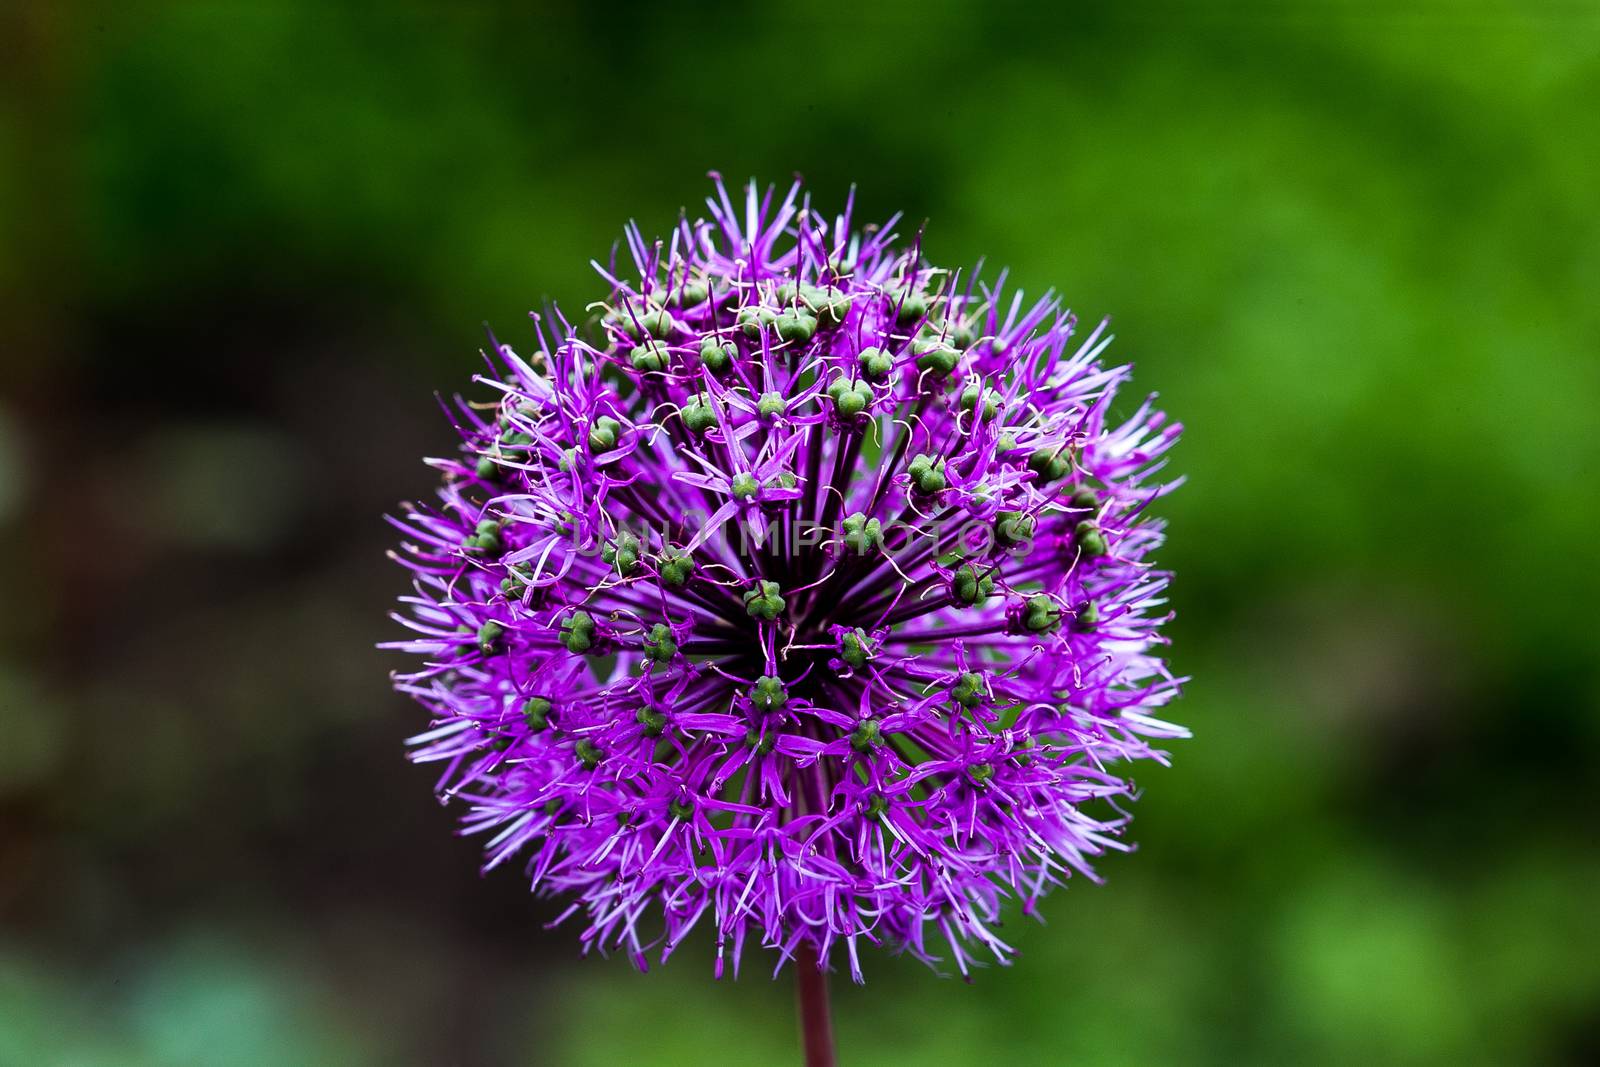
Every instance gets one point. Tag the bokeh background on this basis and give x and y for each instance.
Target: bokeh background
(1355, 246)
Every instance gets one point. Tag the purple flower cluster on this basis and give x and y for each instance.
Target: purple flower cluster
(803, 594)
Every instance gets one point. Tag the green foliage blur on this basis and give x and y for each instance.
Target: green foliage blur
(1355, 246)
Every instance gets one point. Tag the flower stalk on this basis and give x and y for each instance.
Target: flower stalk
(816, 1021)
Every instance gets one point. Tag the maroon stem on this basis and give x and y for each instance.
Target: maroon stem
(811, 990)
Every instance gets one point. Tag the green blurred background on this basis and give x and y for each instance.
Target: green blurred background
(1355, 246)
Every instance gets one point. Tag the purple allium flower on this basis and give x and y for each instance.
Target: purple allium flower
(804, 595)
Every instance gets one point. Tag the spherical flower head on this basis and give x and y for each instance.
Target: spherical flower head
(801, 594)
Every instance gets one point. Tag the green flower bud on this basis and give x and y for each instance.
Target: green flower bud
(875, 363)
(855, 648)
(875, 806)
(659, 644)
(658, 323)
(753, 320)
(762, 743)
(764, 602)
(830, 306)
(981, 772)
(1087, 617)
(577, 632)
(1050, 464)
(518, 578)
(485, 541)
(588, 753)
(1084, 499)
(853, 403)
(970, 396)
(698, 415)
(653, 721)
(1041, 616)
(717, 356)
(866, 735)
(536, 713)
(681, 809)
(623, 553)
(489, 635)
(850, 399)
(676, 568)
(796, 326)
(771, 405)
(936, 357)
(910, 307)
(1012, 528)
(487, 468)
(970, 587)
(768, 694)
(968, 690)
(603, 434)
(690, 294)
(861, 534)
(1087, 536)
(744, 486)
(650, 356)
(927, 474)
